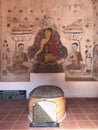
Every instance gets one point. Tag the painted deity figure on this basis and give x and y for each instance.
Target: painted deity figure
(47, 52)
(88, 59)
(19, 57)
(75, 57)
(20, 61)
(5, 55)
(48, 47)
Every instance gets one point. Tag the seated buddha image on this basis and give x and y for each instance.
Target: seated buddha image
(47, 50)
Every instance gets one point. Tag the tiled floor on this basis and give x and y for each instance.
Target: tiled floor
(82, 114)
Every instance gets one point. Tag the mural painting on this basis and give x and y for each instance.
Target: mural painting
(95, 61)
(37, 37)
(48, 52)
(0, 39)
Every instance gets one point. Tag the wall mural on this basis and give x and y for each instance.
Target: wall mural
(47, 52)
(48, 37)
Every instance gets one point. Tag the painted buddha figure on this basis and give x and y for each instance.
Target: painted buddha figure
(47, 49)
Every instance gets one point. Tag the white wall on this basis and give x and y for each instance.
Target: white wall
(71, 89)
